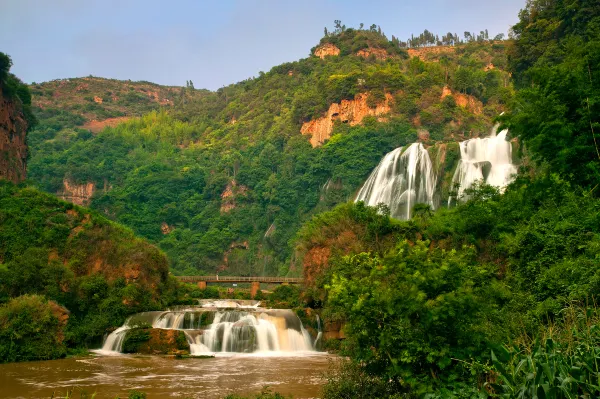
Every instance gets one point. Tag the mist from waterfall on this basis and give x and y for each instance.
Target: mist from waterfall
(487, 160)
(402, 179)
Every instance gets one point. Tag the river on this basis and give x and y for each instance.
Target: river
(300, 375)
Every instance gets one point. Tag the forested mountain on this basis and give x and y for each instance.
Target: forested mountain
(223, 180)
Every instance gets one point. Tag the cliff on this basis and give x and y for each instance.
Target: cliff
(78, 194)
(325, 50)
(347, 111)
(13, 143)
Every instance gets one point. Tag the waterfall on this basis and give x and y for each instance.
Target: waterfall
(114, 341)
(484, 159)
(402, 179)
(224, 326)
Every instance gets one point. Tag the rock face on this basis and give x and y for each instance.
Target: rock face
(348, 111)
(326, 50)
(430, 53)
(13, 145)
(229, 195)
(78, 194)
(464, 100)
(95, 126)
(155, 341)
(62, 314)
(378, 53)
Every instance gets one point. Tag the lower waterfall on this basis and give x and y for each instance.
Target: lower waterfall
(402, 179)
(223, 326)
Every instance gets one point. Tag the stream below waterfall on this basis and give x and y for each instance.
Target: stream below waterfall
(163, 377)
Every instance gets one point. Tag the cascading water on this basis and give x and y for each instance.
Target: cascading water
(402, 179)
(224, 326)
(486, 159)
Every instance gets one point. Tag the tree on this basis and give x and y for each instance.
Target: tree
(554, 61)
(414, 312)
(5, 64)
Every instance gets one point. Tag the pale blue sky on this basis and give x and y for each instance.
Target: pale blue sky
(213, 43)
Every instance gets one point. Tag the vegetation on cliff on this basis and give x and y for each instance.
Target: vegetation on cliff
(52, 250)
(13, 88)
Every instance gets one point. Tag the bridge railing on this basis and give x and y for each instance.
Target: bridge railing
(240, 279)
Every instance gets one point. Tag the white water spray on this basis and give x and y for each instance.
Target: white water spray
(486, 159)
(224, 326)
(401, 180)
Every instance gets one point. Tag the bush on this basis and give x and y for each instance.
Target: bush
(31, 328)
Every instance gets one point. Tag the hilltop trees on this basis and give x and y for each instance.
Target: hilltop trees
(424, 39)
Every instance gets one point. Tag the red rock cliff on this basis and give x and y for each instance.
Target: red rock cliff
(348, 111)
(13, 146)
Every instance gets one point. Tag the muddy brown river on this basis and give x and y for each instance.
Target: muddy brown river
(160, 377)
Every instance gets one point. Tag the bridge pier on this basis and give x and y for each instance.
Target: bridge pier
(202, 285)
(254, 288)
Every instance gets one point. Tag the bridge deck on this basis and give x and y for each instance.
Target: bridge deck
(236, 279)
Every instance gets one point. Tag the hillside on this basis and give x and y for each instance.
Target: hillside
(224, 180)
(93, 271)
(93, 103)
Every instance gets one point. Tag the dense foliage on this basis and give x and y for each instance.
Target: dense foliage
(99, 271)
(555, 61)
(459, 283)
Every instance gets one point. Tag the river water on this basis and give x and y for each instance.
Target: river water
(300, 375)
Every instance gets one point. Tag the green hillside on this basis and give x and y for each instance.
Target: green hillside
(223, 180)
(93, 271)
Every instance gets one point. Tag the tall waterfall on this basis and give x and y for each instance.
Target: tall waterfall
(484, 159)
(224, 326)
(402, 179)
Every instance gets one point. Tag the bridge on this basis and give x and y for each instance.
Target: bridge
(255, 281)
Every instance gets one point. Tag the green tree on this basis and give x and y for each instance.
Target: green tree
(554, 60)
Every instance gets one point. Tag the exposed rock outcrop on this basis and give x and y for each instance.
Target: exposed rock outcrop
(13, 144)
(96, 126)
(165, 228)
(333, 330)
(230, 194)
(348, 111)
(62, 314)
(464, 100)
(430, 53)
(78, 194)
(326, 50)
(155, 341)
(378, 53)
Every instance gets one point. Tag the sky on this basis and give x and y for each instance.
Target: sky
(213, 43)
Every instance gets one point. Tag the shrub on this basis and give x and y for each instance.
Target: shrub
(31, 328)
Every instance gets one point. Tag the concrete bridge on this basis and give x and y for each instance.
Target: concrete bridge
(254, 286)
